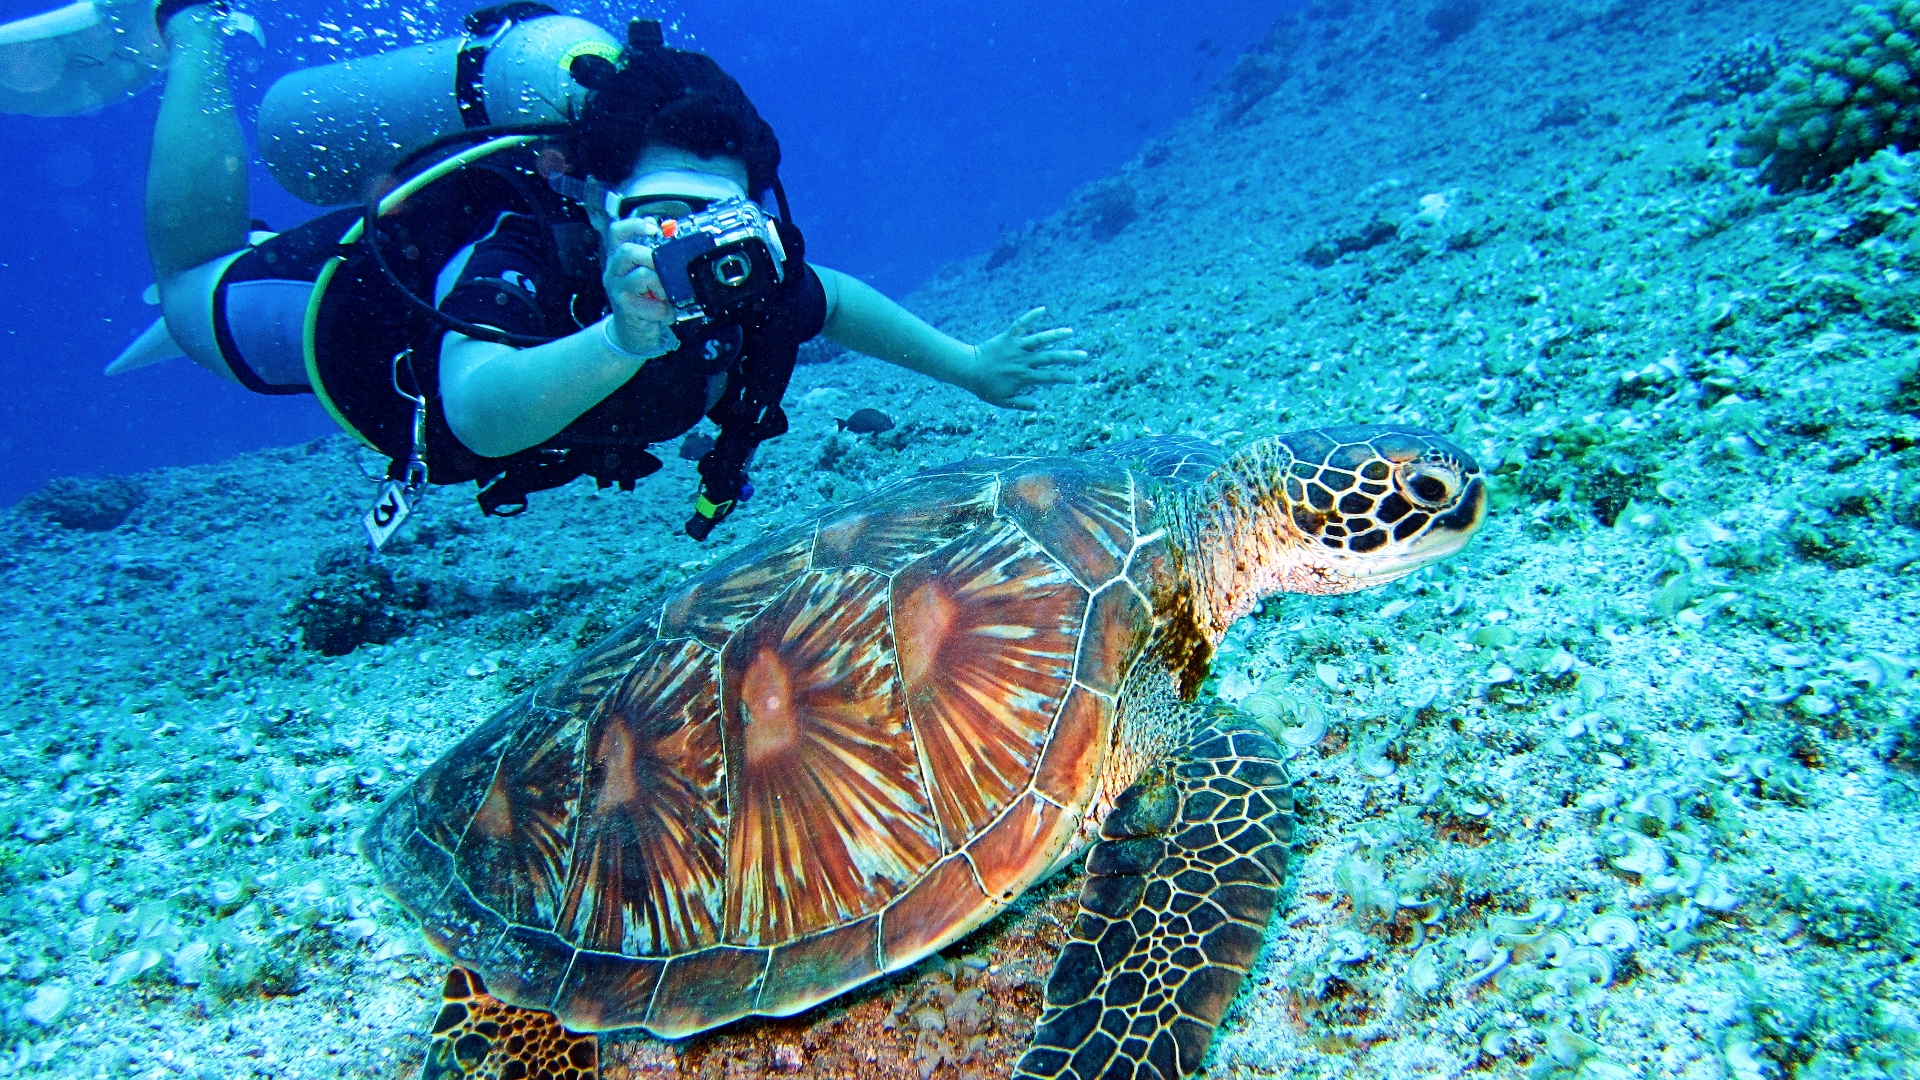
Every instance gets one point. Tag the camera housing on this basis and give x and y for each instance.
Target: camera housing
(720, 263)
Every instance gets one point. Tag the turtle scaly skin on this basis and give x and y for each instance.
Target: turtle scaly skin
(848, 745)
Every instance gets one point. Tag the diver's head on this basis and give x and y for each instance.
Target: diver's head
(672, 170)
(665, 117)
(667, 182)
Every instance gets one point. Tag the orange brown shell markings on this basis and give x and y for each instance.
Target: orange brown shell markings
(825, 758)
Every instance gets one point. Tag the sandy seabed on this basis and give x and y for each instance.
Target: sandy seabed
(1628, 789)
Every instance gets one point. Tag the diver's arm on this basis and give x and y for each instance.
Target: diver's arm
(500, 400)
(865, 320)
(998, 371)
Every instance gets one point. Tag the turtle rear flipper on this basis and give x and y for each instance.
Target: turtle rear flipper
(1175, 907)
(478, 1035)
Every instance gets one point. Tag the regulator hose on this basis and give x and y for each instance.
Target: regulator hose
(370, 218)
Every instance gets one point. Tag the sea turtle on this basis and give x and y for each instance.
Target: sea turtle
(851, 743)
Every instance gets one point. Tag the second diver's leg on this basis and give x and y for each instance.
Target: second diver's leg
(197, 181)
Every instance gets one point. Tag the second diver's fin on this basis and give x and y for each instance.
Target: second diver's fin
(79, 58)
(87, 55)
(48, 25)
(152, 346)
(239, 22)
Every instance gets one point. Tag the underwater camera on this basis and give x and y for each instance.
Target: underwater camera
(720, 263)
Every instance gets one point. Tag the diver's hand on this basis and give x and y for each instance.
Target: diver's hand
(642, 319)
(1007, 365)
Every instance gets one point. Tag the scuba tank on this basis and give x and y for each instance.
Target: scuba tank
(327, 132)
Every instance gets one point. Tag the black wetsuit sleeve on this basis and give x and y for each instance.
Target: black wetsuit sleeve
(510, 280)
(749, 411)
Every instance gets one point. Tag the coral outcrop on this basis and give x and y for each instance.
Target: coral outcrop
(1111, 205)
(1853, 96)
(87, 505)
(1451, 19)
(351, 601)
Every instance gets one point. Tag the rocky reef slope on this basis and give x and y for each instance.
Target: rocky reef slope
(1628, 789)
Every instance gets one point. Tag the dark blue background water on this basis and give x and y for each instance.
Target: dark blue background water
(913, 133)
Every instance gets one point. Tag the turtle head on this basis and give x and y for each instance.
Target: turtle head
(1323, 511)
(1371, 504)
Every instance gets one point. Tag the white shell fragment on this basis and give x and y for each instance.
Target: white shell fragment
(1537, 914)
(1374, 761)
(1597, 800)
(1716, 897)
(1348, 947)
(1423, 973)
(357, 929)
(1635, 854)
(1616, 932)
(47, 1004)
(1817, 705)
(1658, 806)
(1313, 728)
(1594, 963)
(189, 964)
(1787, 656)
(1236, 686)
(131, 965)
(1741, 1059)
(1494, 966)
(1548, 948)
(1568, 1047)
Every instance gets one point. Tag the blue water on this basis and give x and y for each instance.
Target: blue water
(912, 135)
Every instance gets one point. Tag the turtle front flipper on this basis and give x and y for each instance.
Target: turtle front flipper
(478, 1035)
(1172, 915)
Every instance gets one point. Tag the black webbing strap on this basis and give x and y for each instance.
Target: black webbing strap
(470, 65)
(167, 9)
(507, 496)
(622, 468)
(469, 71)
(542, 470)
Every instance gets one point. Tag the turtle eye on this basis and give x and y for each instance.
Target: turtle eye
(1430, 485)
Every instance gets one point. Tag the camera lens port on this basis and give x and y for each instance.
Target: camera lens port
(732, 270)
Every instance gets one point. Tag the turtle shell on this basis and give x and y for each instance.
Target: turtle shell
(826, 757)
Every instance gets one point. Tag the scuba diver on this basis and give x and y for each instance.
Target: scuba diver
(572, 262)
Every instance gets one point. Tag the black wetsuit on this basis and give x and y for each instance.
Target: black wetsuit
(733, 373)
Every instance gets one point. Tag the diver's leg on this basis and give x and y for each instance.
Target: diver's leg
(197, 214)
(197, 181)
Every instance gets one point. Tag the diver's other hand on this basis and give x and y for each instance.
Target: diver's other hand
(1009, 364)
(642, 319)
